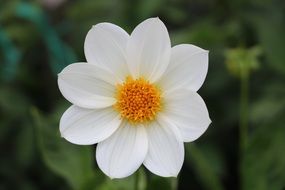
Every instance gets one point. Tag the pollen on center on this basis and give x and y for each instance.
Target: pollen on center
(138, 100)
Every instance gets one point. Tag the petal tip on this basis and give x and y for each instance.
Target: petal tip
(157, 18)
(154, 20)
(98, 25)
(205, 51)
(59, 75)
(209, 121)
(111, 178)
(175, 175)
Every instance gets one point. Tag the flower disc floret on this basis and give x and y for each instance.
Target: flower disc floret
(138, 100)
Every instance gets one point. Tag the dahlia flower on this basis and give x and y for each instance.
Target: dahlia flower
(136, 97)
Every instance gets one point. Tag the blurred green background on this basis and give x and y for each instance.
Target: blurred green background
(244, 147)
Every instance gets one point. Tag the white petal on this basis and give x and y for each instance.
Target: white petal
(166, 150)
(88, 126)
(189, 113)
(122, 154)
(87, 85)
(148, 50)
(187, 69)
(105, 45)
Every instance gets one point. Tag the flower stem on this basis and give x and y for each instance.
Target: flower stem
(173, 183)
(244, 111)
(136, 184)
(243, 130)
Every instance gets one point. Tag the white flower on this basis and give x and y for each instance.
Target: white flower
(136, 97)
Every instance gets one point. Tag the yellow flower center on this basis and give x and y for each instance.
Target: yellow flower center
(138, 100)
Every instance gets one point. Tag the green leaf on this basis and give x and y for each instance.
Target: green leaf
(203, 168)
(157, 182)
(148, 7)
(128, 183)
(11, 56)
(264, 163)
(73, 163)
(270, 29)
(200, 34)
(60, 53)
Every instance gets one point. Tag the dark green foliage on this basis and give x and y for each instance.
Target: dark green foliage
(37, 41)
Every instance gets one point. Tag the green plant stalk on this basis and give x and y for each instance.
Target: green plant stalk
(244, 93)
(173, 183)
(136, 184)
(243, 130)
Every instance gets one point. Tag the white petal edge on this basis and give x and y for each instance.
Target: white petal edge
(105, 45)
(87, 85)
(88, 126)
(122, 154)
(187, 69)
(166, 150)
(188, 111)
(149, 49)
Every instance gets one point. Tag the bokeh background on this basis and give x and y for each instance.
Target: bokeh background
(244, 147)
